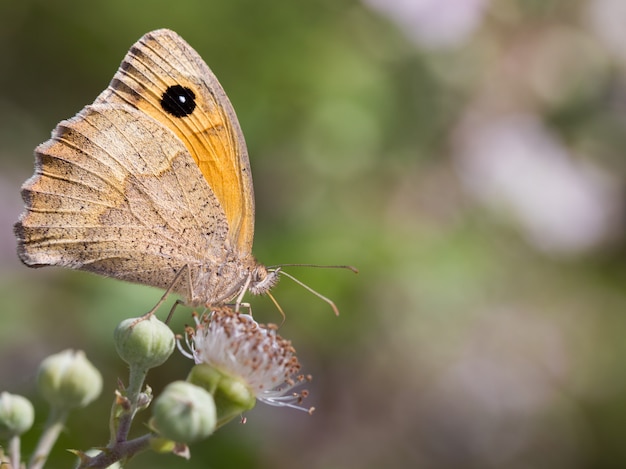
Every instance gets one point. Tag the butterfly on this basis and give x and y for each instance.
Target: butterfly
(150, 184)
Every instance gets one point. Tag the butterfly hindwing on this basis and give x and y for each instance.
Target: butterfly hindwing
(113, 193)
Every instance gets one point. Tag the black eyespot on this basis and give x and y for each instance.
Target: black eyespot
(178, 101)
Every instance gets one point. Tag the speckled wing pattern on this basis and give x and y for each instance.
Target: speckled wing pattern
(126, 190)
(212, 134)
(116, 195)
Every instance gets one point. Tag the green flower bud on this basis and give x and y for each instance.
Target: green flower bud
(16, 415)
(232, 395)
(184, 413)
(144, 343)
(68, 380)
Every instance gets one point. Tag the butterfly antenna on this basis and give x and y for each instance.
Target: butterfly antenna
(280, 310)
(318, 266)
(319, 295)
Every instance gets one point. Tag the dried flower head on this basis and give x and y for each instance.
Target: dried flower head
(238, 346)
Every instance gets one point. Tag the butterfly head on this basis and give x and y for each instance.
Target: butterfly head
(262, 279)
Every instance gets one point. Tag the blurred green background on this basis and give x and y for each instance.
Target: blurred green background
(466, 155)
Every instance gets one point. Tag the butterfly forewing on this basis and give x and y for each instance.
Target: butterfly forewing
(162, 62)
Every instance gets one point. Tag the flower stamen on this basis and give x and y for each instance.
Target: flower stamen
(237, 345)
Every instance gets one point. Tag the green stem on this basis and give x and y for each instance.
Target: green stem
(121, 419)
(54, 425)
(136, 379)
(14, 452)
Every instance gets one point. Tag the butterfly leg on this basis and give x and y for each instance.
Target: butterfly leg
(171, 313)
(244, 289)
(189, 293)
(247, 306)
(164, 297)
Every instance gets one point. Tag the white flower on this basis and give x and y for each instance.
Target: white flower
(236, 345)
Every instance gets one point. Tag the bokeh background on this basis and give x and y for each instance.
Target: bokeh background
(468, 156)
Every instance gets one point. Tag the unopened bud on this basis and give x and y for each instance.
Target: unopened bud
(232, 395)
(184, 413)
(144, 343)
(16, 415)
(68, 380)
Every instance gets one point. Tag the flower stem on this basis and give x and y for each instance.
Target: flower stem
(136, 379)
(117, 452)
(54, 425)
(14, 451)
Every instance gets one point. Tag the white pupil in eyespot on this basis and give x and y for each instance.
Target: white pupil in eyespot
(182, 99)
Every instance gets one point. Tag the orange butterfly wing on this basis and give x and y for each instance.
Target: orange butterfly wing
(162, 65)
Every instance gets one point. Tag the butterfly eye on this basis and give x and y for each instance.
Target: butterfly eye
(178, 101)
